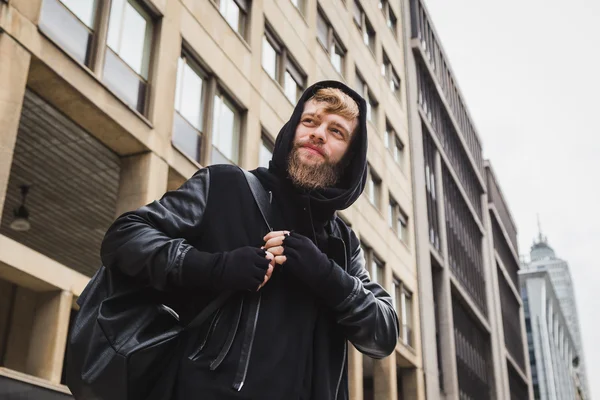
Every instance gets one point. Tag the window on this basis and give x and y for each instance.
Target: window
(330, 41)
(394, 145)
(363, 24)
(397, 220)
(226, 130)
(402, 301)
(71, 24)
(390, 75)
(364, 91)
(406, 331)
(373, 187)
(299, 4)
(189, 106)
(235, 13)
(389, 15)
(374, 265)
(279, 65)
(127, 60)
(266, 151)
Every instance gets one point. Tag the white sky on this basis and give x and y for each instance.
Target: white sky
(530, 74)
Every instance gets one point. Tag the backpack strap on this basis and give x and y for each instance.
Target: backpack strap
(262, 198)
(263, 202)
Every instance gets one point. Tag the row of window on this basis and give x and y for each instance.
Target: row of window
(401, 295)
(396, 217)
(73, 24)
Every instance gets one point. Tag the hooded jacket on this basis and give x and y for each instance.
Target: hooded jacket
(285, 341)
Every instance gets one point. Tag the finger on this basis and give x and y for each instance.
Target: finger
(276, 251)
(273, 234)
(269, 255)
(267, 277)
(275, 241)
(280, 259)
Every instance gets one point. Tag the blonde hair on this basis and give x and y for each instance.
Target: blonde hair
(337, 102)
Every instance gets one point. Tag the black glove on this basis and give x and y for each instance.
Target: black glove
(309, 264)
(241, 269)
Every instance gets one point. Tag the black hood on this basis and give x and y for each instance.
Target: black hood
(352, 183)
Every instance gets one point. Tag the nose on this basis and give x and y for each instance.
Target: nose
(319, 134)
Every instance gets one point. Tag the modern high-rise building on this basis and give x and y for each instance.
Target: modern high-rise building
(467, 249)
(543, 257)
(552, 347)
(107, 104)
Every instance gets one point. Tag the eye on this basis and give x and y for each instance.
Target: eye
(307, 120)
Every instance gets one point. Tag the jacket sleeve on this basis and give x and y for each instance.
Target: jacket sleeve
(152, 243)
(367, 315)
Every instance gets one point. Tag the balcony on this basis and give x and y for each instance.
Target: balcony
(496, 198)
(433, 54)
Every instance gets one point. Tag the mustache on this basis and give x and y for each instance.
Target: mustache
(318, 147)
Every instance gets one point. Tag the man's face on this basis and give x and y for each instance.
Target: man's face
(320, 143)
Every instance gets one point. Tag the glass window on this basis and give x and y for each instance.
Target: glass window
(124, 81)
(322, 30)
(70, 25)
(231, 11)
(401, 226)
(189, 103)
(130, 35)
(374, 188)
(269, 58)
(290, 87)
(225, 135)
(265, 153)
(332, 44)
(189, 94)
(85, 10)
(299, 4)
(406, 317)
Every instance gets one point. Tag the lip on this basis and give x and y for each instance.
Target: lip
(314, 149)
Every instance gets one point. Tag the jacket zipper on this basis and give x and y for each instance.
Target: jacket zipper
(239, 383)
(337, 388)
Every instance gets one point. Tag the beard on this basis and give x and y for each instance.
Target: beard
(312, 176)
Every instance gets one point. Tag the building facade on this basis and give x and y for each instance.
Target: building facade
(466, 238)
(105, 105)
(543, 257)
(551, 345)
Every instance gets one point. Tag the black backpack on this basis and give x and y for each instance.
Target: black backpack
(124, 341)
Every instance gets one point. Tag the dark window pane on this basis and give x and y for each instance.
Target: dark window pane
(322, 30)
(66, 30)
(123, 81)
(186, 138)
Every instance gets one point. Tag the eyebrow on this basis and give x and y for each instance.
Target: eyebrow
(337, 124)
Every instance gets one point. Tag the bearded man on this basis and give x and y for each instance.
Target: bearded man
(300, 293)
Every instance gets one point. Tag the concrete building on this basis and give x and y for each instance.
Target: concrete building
(543, 257)
(466, 238)
(105, 105)
(551, 345)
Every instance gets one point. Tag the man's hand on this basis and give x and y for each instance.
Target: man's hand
(274, 245)
(271, 259)
(304, 259)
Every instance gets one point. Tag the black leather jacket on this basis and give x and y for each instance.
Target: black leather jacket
(215, 212)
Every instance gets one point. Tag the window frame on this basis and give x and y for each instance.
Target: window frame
(285, 63)
(228, 101)
(374, 183)
(265, 137)
(394, 144)
(391, 20)
(367, 94)
(391, 76)
(397, 220)
(372, 260)
(244, 7)
(368, 32)
(334, 45)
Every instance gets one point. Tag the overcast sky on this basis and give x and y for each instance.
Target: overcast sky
(530, 74)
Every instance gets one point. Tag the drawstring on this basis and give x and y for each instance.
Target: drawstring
(227, 346)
